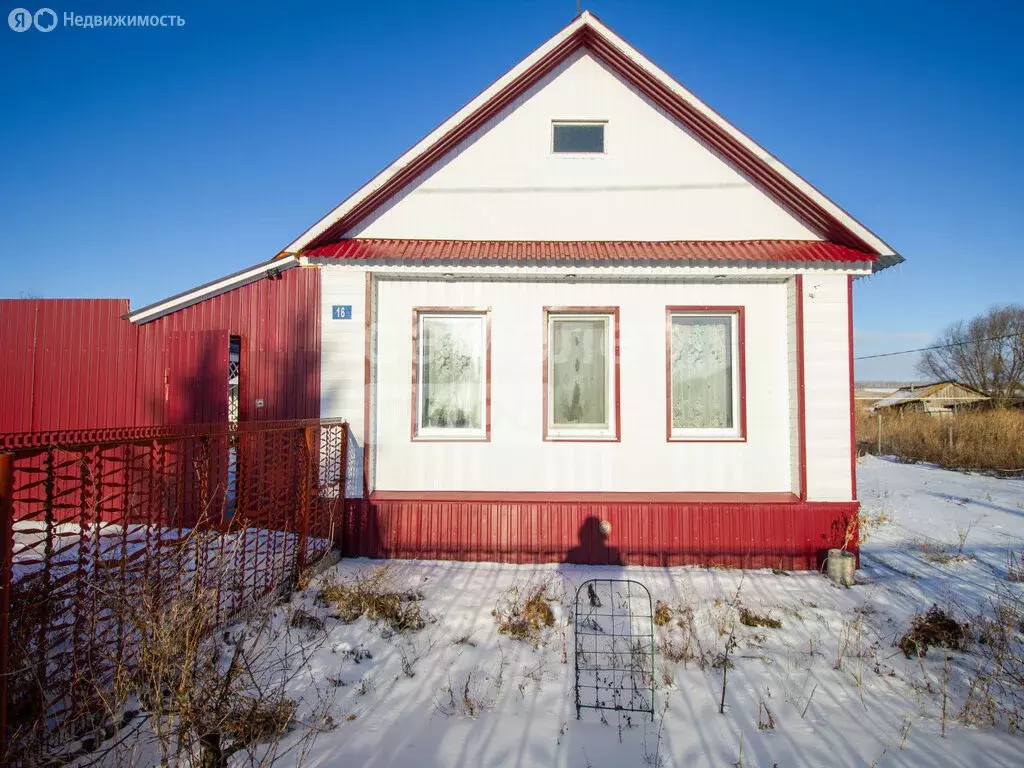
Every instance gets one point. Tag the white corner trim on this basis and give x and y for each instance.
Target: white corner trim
(202, 292)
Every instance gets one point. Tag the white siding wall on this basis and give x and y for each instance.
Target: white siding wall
(827, 380)
(517, 458)
(792, 364)
(341, 370)
(655, 181)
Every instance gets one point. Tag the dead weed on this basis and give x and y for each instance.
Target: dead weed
(524, 619)
(375, 597)
(749, 618)
(936, 628)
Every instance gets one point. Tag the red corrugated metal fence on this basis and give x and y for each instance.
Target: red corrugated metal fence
(66, 364)
(75, 364)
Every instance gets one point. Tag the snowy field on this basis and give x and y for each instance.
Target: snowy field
(826, 688)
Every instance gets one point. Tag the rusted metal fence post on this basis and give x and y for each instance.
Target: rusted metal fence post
(6, 574)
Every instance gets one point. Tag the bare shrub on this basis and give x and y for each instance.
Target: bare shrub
(934, 628)
(996, 690)
(375, 597)
(205, 695)
(524, 615)
(477, 692)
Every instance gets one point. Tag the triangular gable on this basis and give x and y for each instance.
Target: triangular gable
(820, 215)
(954, 390)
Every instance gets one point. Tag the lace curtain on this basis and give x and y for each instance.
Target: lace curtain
(702, 372)
(452, 369)
(579, 371)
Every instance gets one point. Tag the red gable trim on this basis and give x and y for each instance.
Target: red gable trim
(746, 162)
(663, 251)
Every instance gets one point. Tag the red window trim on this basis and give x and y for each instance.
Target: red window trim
(484, 312)
(740, 313)
(575, 310)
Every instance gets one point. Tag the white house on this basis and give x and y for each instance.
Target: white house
(587, 319)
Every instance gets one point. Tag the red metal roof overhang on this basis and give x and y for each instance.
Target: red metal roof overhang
(701, 125)
(360, 249)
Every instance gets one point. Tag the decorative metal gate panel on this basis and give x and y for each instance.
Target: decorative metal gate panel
(614, 630)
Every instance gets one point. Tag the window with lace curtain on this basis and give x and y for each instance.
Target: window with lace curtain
(705, 400)
(451, 375)
(581, 382)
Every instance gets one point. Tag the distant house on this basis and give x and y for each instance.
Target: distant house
(939, 399)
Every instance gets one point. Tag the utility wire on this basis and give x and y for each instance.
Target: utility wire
(938, 346)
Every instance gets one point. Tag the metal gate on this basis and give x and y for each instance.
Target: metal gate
(614, 631)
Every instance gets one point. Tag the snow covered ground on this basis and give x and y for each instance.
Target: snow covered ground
(827, 688)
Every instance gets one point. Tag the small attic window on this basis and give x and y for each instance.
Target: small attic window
(577, 138)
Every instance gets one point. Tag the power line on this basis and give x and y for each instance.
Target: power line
(938, 346)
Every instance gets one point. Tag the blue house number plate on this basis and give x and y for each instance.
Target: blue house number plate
(341, 312)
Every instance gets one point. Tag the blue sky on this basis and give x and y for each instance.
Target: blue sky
(140, 162)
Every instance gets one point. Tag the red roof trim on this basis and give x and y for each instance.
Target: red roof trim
(769, 180)
(372, 249)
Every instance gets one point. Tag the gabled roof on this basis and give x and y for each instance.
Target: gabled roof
(449, 251)
(780, 183)
(922, 392)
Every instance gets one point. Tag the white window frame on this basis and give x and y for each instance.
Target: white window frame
(474, 434)
(604, 143)
(584, 432)
(736, 431)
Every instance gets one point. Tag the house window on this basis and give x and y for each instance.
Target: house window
(451, 374)
(577, 138)
(705, 373)
(581, 373)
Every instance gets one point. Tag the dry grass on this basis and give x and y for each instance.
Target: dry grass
(934, 628)
(983, 440)
(254, 721)
(870, 521)
(524, 619)
(375, 597)
(751, 619)
(677, 638)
